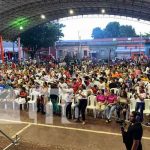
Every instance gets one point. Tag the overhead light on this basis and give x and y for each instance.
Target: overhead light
(43, 17)
(103, 11)
(21, 28)
(71, 12)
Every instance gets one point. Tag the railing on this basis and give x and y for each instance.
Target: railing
(13, 142)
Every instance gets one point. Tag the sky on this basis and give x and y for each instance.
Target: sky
(83, 26)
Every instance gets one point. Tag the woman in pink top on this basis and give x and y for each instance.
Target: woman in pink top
(101, 100)
(100, 96)
(111, 105)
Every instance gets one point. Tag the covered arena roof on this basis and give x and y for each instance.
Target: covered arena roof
(26, 13)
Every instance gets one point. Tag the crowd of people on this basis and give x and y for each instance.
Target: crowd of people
(113, 86)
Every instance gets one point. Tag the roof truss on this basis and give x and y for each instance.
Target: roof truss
(14, 13)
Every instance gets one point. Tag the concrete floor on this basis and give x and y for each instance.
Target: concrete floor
(95, 135)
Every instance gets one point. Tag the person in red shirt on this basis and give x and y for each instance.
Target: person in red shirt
(13, 65)
(75, 85)
(94, 89)
(67, 74)
(23, 93)
(79, 81)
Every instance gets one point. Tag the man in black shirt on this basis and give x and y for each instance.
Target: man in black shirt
(132, 137)
(113, 84)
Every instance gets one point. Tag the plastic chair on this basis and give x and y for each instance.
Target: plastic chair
(116, 91)
(61, 104)
(129, 95)
(92, 104)
(147, 106)
(33, 100)
(20, 101)
(49, 108)
(132, 104)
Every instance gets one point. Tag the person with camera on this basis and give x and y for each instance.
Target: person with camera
(132, 137)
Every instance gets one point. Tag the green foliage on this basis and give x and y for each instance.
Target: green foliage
(67, 59)
(127, 31)
(114, 30)
(97, 33)
(42, 36)
(146, 35)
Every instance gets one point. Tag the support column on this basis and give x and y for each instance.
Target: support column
(13, 55)
(19, 49)
(49, 51)
(2, 49)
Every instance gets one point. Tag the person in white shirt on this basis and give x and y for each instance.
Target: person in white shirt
(101, 84)
(82, 102)
(62, 85)
(140, 104)
(68, 96)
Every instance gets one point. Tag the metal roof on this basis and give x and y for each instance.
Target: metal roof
(26, 13)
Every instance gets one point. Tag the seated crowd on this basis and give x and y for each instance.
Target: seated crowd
(107, 90)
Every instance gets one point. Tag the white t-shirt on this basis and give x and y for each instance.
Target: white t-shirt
(84, 92)
(102, 86)
(68, 94)
(147, 70)
(61, 91)
(142, 95)
(96, 83)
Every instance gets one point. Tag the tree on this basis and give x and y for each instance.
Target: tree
(127, 31)
(42, 36)
(97, 33)
(146, 35)
(112, 30)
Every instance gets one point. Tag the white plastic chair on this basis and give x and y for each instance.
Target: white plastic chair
(17, 92)
(147, 106)
(74, 102)
(49, 108)
(20, 101)
(92, 104)
(129, 95)
(148, 89)
(33, 100)
(132, 104)
(59, 100)
(33, 104)
(61, 103)
(116, 91)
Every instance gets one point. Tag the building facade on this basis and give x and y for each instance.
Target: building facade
(104, 48)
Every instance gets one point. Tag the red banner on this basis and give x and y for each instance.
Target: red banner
(2, 49)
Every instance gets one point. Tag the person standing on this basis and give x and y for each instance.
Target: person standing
(140, 104)
(68, 94)
(132, 137)
(82, 102)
